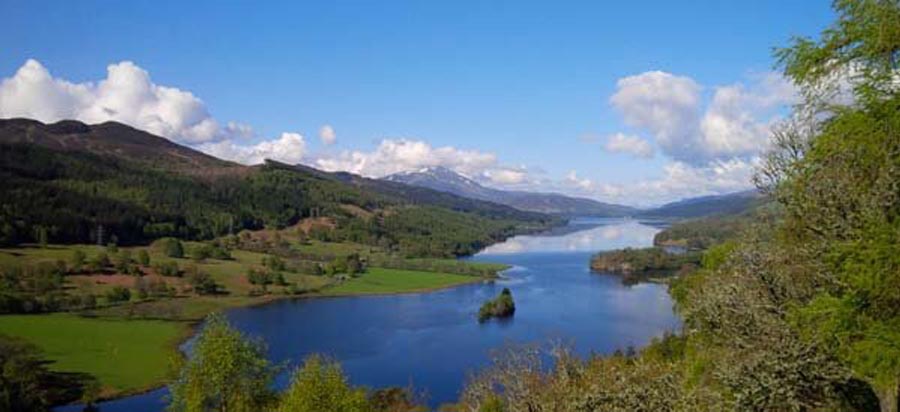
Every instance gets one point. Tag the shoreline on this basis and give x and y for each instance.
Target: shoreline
(192, 326)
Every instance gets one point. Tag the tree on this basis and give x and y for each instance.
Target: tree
(143, 258)
(170, 247)
(77, 260)
(123, 261)
(320, 385)
(202, 282)
(99, 263)
(21, 376)
(118, 294)
(842, 209)
(227, 371)
(41, 236)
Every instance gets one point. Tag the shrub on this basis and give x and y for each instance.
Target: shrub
(118, 294)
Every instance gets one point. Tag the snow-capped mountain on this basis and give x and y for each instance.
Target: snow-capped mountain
(446, 180)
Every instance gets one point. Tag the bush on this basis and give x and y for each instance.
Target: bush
(168, 268)
(143, 258)
(118, 294)
(201, 282)
(77, 260)
(170, 247)
(99, 262)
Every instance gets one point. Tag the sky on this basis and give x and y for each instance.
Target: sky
(637, 102)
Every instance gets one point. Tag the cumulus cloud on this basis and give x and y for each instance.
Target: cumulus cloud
(678, 180)
(128, 95)
(327, 135)
(397, 155)
(506, 176)
(734, 123)
(289, 148)
(583, 184)
(664, 104)
(633, 145)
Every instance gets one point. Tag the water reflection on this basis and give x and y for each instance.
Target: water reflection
(594, 235)
(433, 340)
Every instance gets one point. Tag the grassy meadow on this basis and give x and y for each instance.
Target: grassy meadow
(124, 355)
(385, 281)
(128, 345)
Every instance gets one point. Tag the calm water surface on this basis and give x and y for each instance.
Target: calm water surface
(432, 340)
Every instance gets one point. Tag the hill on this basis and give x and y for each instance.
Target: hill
(446, 180)
(70, 182)
(728, 204)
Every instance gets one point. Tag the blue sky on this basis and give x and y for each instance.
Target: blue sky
(529, 83)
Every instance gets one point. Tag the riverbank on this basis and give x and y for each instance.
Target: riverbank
(88, 340)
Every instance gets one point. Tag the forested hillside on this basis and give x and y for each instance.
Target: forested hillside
(69, 182)
(722, 205)
(800, 311)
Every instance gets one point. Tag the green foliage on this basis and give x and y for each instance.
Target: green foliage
(320, 385)
(170, 247)
(801, 308)
(500, 307)
(862, 44)
(26, 382)
(143, 258)
(227, 371)
(99, 262)
(77, 260)
(636, 265)
(83, 197)
(118, 294)
(700, 234)
(32, 288)
(200, 281)
(167, 268)
(123, 261)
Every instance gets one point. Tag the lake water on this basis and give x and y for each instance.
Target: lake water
(433, 340)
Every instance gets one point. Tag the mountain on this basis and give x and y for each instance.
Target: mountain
(728, 204)
(71, 182)
(446, 180)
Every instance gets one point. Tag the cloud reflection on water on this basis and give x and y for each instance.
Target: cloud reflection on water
(599, 234)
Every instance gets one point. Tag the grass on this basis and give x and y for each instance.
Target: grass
(126, 356)
(128, 346)
(383, 281)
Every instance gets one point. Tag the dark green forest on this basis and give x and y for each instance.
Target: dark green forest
(91, 196)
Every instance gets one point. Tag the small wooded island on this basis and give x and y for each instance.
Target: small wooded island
(502, 306)
(640, 264)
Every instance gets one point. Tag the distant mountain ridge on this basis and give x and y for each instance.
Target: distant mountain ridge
(727, 204)
(446, 180)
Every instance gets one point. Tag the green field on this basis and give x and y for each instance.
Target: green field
(125, 356)
(128, 346)
(378, 280)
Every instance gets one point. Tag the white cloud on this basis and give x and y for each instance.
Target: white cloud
(679, 180)
(327, 135)
(289, 148)
(235, 130)
(397, 155)
(128, 95)
(735, 123)
(506, 176)
(583, 184)
(664, 104)
(633, 145)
